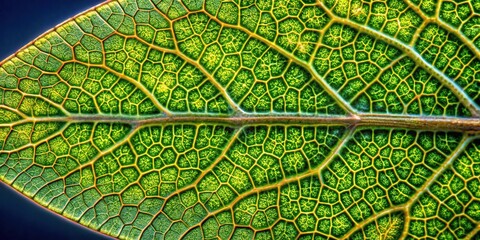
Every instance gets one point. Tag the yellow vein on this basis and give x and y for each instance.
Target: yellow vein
(311, 172)
(437, 20)
(343, 104)
(463, 98)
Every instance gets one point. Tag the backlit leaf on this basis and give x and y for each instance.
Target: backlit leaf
(251, 119)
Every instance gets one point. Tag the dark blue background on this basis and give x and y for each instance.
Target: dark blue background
(21, 21)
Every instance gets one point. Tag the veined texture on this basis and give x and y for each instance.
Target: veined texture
(257, 119)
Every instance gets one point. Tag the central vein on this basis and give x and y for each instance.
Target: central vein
(377, 120)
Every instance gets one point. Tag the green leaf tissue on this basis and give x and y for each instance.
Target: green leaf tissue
(251, 119)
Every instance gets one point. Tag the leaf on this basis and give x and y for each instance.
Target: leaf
(251, 119)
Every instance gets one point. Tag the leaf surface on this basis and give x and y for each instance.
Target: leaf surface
(251, 119)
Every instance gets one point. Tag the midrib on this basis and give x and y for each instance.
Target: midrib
(370, 120)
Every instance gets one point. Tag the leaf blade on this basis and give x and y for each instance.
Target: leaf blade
(192, 121)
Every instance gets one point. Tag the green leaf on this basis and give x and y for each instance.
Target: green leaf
(251, 119)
